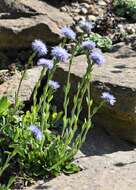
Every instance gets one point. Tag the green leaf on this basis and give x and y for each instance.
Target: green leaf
(71, 168)
(11, 181)
(4, 105)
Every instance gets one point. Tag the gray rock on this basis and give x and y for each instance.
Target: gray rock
(63, 9)
(84, 10)
(45, 24)
(16, 8)
(9, 87)
(86, 5)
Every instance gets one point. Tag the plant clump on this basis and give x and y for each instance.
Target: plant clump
(42, 142)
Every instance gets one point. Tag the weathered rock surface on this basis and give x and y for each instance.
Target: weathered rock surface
(108, 164)
(9, 87)
(117, 76)
(28, 20)
(15, 8)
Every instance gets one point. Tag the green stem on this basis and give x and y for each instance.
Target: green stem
(66, 99)
(45, 96)
(22, 77)
(6, 164)
(19, 86)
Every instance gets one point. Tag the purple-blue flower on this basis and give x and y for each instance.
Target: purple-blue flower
(60, 54)
(88, 44)
(45, 62)
(37, 133)
(109, 98)
(97, 57)
(68, 32)
(39, 47)
(86, 26)
(53, 84)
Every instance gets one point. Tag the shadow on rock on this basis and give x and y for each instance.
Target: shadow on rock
(99, 142)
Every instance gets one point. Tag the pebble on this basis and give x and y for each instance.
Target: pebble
(79, 18)
(91, 18)
(130, 30)
(84, 10)
(85, 5)
(102, 3)
(63, 9)
(93, 10)
(84, 1)
(75, 11)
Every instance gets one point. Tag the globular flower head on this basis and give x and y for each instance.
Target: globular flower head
(39, 47)
(53, 84)
(86, 26)
(45, 62)
(36, 132)
(97, 57)
(60, 54)
(109, 98)
(88, 44)
(68, 32)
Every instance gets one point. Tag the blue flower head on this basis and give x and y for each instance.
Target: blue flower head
(109, 98)
(36, 132)
(39, 47)
(97, 57)
(45, 62)
(88, 44)
(86, 26)
(53, 84)
(68, 32)
(60, 54)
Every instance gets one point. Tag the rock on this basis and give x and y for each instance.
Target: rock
(86, 5)
(102, 3)
(117, 76)
(16, 8)
(63, 9)
(44, 24)
(84, 1)
(91, 18)
(75, 10)
(93, 10)
(79, 18)
(84, 10)
(4, 61)
(130, 30)
(9, 87)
